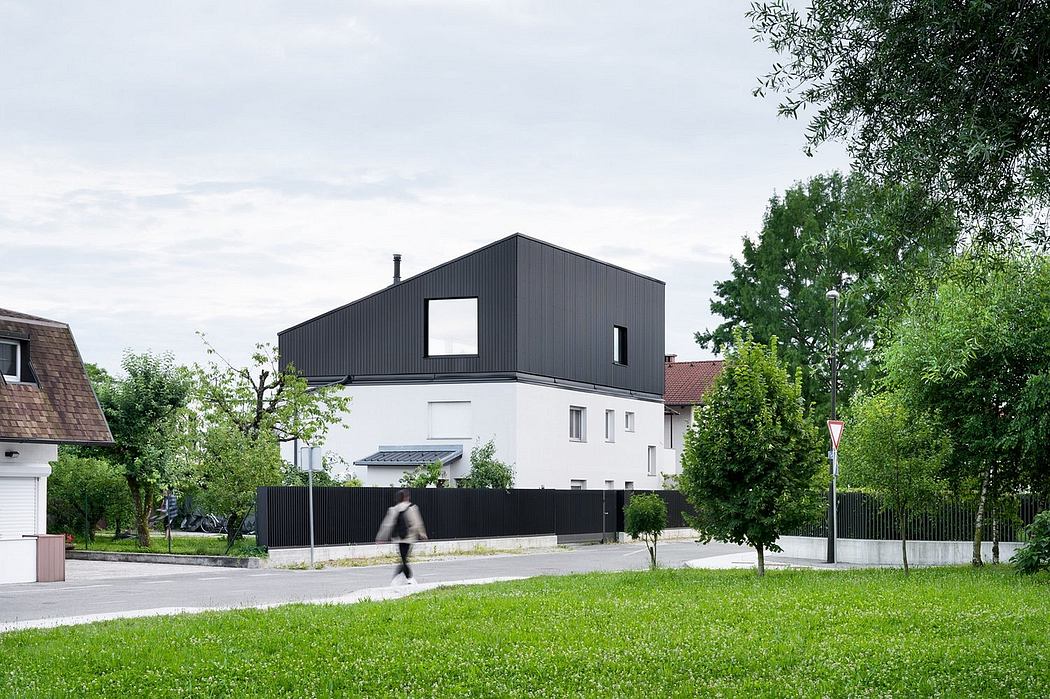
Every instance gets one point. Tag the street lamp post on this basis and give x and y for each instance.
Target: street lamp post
(833, 456)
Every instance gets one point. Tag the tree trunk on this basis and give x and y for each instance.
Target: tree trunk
(652, 553)
(761, 561)
(995, 534)
(142, 510)
(902, 522)
(233, 529)
(979, 521)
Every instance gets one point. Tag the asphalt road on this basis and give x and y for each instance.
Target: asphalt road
(102, 589)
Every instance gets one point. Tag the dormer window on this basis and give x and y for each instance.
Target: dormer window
(11, 360)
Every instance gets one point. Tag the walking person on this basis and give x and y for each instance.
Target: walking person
(403, 525)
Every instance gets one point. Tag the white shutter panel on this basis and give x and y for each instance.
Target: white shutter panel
(17, 507)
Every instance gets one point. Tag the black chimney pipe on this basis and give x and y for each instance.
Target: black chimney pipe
(397, 269)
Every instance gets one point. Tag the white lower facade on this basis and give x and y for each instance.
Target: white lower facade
(677, 419)
(24, 469)
(529, 424)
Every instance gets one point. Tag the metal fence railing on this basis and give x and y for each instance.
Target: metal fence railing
(860, 516)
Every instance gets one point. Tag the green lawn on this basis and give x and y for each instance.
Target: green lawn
(187, 545)
(949, 632)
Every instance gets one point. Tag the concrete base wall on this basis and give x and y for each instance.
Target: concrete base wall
(682, 533)
(883, 552)
(292, 556)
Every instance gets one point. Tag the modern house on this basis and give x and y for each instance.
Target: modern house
(685, 384)
(46, 399)
(555, 356)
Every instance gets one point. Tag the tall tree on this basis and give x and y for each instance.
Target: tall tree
(752, 461)
(870, 243)
(953, 95)
(143, 410)
(898, 453)
(243, 414)
(976, 350)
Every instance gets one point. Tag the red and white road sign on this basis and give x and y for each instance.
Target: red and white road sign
(835, 428)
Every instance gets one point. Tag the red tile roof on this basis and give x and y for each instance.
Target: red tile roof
(60, 406)
(686, 382)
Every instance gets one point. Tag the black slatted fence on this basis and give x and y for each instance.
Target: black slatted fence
(352, 515)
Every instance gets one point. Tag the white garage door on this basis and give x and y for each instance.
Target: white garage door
(17, 507)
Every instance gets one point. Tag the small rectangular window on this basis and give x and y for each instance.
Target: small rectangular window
(577, 424)
(628, 422)
(652, 461)
(628, 485)
(450, 420)
(11, 360)
(610, 485)
(619, 344)
(451, 327)
(610, 425)
(577, 485)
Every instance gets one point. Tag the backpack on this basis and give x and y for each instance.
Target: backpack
(401, 524)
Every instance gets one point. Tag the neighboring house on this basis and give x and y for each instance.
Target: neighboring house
(685, 384)
(46, 399)
(554, 355)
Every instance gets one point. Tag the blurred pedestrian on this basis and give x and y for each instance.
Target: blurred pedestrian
(404, 526)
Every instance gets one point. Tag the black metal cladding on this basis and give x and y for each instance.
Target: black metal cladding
(543, 313)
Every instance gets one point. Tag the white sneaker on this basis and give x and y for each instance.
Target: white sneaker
(411, 581)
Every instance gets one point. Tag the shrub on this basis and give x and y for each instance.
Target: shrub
(645, 516)
(83, 491)
(1035, 555)
(486, 471)
(422, 476)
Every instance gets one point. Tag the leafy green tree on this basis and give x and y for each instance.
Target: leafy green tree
(645, 516)
(486, 471)
(953, 95)
(871, 243)
(422, 476)
(82, 491)
(752, 461)
(976, 351)
(143, 410)
(1035, 554)
(898, 454)
(245, 413)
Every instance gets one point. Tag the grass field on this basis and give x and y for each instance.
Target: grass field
(186, 545)
(947, 632)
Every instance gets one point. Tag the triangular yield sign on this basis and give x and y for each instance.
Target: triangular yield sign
(835, 428)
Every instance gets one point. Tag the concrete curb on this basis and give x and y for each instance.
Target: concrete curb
(169, 558)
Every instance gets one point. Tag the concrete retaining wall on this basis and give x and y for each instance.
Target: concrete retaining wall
(884, 552)
(292, 556)
(174, 559)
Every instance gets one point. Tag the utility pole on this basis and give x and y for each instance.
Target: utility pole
(833, 454)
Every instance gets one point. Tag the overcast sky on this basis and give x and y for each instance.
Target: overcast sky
(236, 168)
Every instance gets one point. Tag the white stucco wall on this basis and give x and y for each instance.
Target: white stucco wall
(528, 423)
(674, 431)
(18, 555)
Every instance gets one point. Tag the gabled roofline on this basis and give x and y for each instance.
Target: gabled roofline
(513, 236)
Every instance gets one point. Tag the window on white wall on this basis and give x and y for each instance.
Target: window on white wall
(451, 327)
(628, 422)
(610, 425)
(10, 360)
(450, 420)
(652, 460)
(610, 485)
(18, 514)
(577, 424)
(628, 485)
(577, 485)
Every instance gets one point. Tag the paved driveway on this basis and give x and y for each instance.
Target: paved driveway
(99, 589)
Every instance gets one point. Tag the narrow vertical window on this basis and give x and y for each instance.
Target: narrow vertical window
(619, 344)
(628, 422)
(652, 461)
(577, 424)
(610, 425)
(10, 360)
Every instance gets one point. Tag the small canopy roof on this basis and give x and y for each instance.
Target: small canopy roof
(412, 455)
